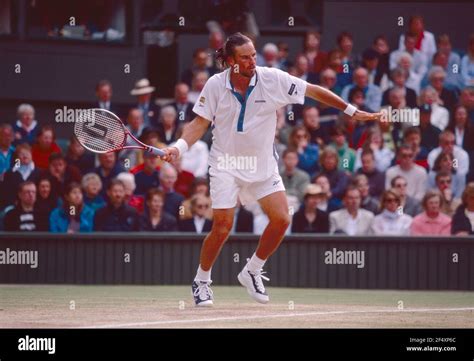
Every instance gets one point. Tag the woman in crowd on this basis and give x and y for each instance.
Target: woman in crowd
(463, 219)
(46, 201)
(307, 152)
(155, 219)
(26, 127)
(73, 216)
(92, 185)
(44, 147)
(461, 127)
(23, 169)
(383, 155)
(200, 186)
(432, 221)
(445, 163)
(361, 182)
(310, 219)
(135, 201)
(392, 220)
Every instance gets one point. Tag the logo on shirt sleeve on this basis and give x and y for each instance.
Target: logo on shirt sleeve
(202, 100)
(292, 89)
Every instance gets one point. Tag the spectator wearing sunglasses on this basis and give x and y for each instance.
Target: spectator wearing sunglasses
(198, 223)
(410, 205)
(392, 220)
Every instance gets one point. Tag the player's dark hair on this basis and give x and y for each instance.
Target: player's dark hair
(230, 44)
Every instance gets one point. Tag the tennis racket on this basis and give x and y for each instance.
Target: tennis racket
(101, 131)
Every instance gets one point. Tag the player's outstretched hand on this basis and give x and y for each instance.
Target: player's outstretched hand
(364, 116)
(171, 153)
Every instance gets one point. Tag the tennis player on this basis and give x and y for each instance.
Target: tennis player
(241, 102)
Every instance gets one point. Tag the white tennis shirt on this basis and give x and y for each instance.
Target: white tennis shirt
(244, 128)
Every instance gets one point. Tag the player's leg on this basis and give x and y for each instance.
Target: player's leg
(223, 220)
(224, 192)
(275, 206)
(211, 247)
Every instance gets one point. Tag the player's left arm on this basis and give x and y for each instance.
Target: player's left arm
(326, 96)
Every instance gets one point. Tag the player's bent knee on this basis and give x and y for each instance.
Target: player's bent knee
(282, 220)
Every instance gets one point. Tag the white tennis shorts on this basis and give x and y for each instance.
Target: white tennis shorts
(225, 188)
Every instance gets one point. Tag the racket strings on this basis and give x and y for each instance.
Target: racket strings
(99, 131)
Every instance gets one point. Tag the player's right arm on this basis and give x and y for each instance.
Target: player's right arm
(192, 132)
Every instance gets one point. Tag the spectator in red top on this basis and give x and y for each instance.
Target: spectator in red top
(61, 174)
(425, 41)
(44, 147)
(185, 179)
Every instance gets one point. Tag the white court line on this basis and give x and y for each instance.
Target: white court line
(281, 315)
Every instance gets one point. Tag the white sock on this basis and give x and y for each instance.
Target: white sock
(202, 275)
(255, 264)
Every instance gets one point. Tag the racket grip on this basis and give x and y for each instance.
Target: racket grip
(154, 151)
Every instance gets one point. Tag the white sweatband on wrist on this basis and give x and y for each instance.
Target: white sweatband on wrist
(350, 110)
(181, 145)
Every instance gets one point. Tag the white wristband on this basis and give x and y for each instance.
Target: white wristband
(181, 145)
(350, 110)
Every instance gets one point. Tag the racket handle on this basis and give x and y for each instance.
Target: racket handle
(154, 151)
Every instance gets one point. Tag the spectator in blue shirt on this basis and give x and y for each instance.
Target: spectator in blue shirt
(308, 152)
(73, 216)
(26, 127)
(148, 177)
(373, 94)
(92, 186)
(6, 148)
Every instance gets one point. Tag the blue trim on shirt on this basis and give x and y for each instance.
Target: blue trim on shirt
(243, 103)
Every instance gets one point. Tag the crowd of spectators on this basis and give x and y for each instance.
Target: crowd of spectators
(389, 177)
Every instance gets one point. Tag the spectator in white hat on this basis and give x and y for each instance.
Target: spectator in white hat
(143, 91)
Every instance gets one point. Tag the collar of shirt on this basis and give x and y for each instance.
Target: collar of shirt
(10, 150)
(199, 223)
(228, 83)
(28, 129)
(436, 220)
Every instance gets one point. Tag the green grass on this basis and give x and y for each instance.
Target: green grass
(29, 295)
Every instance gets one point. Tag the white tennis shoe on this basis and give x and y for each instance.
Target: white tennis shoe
(202, 293)
(253, 281)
